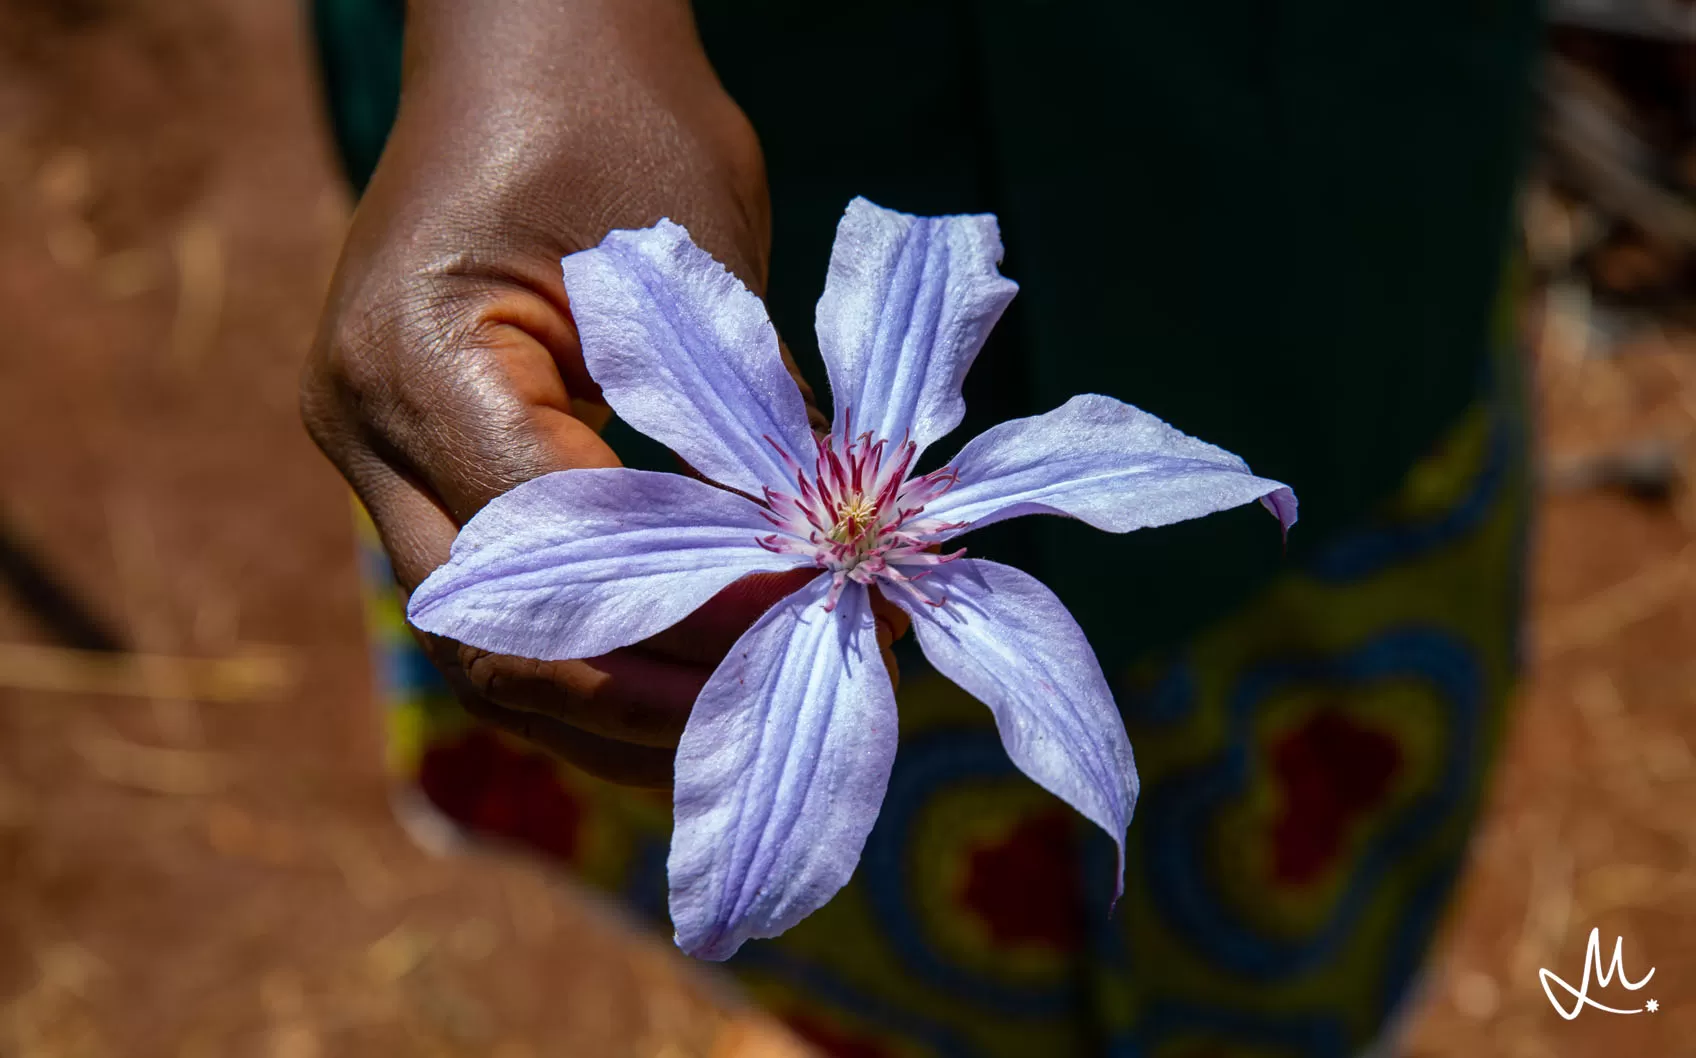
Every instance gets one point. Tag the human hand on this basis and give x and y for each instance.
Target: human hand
(447, 370)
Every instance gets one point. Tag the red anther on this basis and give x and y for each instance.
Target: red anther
(855, 508)
(887, 494)
(898, 477)
(839, 476)
(837, 581)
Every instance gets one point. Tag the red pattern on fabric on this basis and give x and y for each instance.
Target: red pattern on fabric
(492, 788)
(1332, 771)
(834, 1041)
(1025, 887)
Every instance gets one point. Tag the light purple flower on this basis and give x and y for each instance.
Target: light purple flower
(784, 762)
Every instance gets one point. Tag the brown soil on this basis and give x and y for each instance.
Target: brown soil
(1591, 824)
(182, 878)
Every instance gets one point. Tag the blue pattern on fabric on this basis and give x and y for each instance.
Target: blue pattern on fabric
(1175, 813)
(923, 767)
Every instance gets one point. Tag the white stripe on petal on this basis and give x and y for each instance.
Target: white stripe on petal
(579, 562)
(1104, 462)
(907, 305)
(780, 772)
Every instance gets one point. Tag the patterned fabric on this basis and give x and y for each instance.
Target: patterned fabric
(1311, 767)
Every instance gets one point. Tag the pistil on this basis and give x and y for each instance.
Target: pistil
(858, 515)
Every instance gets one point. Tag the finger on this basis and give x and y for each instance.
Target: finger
(416, 531)
(627, 695)
(706, 636)
(892, 624)
(608, 759)
(891, 615)
(425, 450)
(506, 418)
(591, 413)
(630, 697)
(639, 694)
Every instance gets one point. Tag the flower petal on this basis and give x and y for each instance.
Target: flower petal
(1004, 637)
(1104, 462)
(685, 353)
(907, 305)
(576, 563)
(780, 773)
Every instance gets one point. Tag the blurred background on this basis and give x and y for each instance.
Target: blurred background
(197, 852)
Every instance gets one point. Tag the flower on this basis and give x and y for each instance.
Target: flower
(782, 767)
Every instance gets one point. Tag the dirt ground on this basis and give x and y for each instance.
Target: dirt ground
(168, 219)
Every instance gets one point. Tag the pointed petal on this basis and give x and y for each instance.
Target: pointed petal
(685, 353)
(1104, 462)
(780, 773)
(907, 305)
(576, 563)
(1004, 637)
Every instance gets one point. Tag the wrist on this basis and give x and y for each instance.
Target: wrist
(542, 125)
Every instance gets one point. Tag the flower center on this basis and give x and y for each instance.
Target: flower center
(856, 513)
(854, 517)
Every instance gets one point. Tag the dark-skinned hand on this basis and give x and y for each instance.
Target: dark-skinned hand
(446, 369)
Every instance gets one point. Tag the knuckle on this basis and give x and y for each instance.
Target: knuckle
(513, 681)
(344, 386)
(483, 669)
(356, 365)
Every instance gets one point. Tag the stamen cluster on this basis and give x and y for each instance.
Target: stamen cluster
(856, 512)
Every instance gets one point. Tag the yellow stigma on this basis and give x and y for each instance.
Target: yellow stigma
(852, 518)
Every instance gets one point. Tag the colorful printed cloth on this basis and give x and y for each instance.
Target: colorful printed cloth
(1311, 768)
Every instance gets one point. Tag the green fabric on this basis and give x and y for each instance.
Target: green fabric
(1281, 227)
(359, 53)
